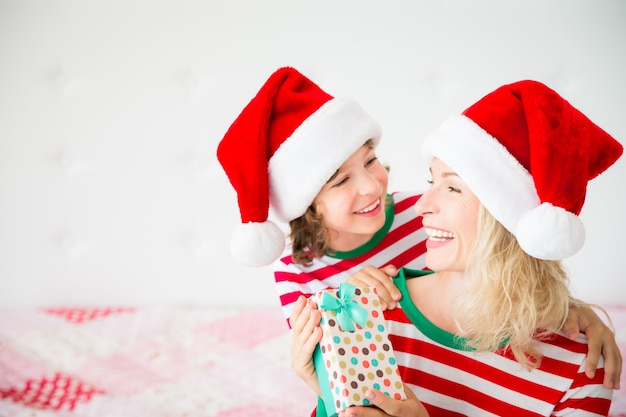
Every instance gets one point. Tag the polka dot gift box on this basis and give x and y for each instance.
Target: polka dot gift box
(355, 353)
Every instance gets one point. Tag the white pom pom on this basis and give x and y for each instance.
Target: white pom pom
(550, 232)
(257, 244)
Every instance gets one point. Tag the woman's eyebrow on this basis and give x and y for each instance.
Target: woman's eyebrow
(445, 174)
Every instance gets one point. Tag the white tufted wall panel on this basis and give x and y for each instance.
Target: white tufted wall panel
(111, 111)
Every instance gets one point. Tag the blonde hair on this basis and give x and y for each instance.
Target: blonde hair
(511, 297)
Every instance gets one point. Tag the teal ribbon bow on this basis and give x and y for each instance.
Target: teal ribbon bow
(348, 310)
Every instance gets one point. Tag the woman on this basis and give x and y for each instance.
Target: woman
(480, 336)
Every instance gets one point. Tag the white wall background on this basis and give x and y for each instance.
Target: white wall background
(111, 112)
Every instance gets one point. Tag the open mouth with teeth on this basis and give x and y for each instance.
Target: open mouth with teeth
(439, 235)
(370, 208)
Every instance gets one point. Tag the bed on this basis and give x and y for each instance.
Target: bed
(160, 362)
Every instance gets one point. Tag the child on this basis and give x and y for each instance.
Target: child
(309, 157)
(294, 137)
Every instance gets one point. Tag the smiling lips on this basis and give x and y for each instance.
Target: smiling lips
(439, 235)
(369, 208)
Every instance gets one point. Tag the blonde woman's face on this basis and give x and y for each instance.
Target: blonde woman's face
(353, 201)
(450, 216)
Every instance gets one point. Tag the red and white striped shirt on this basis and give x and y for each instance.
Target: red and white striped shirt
(400, 242)
(451, 380)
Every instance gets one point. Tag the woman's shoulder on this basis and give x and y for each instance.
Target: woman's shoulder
(559, 345)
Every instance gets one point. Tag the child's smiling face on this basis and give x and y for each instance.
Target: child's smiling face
(352, 202)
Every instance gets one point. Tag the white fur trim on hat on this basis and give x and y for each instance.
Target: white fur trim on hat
(305, 161)
(505, 188)
(499, 181)
(257, 244)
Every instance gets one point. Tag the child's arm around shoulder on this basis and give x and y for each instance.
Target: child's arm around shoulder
(600, 342)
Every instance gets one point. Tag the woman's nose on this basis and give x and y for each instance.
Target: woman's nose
(424, 204)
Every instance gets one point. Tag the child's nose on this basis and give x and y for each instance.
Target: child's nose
(369, 184)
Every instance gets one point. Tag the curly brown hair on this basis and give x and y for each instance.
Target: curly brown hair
(309, 237)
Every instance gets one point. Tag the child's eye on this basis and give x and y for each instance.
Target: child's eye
(341, 182)
(371, 161)
(454, 190)
(430, 182)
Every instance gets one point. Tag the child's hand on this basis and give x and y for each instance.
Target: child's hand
(370, 276)
(601, 340)
(305, 319)
(388, 407)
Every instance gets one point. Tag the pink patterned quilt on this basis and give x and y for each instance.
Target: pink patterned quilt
(160, 362)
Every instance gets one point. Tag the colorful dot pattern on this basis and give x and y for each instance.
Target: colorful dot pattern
(362, 359)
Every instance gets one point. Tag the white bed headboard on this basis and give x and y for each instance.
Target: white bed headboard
(111, 111)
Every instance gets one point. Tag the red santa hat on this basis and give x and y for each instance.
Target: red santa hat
(528, 155)
(280, 151)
